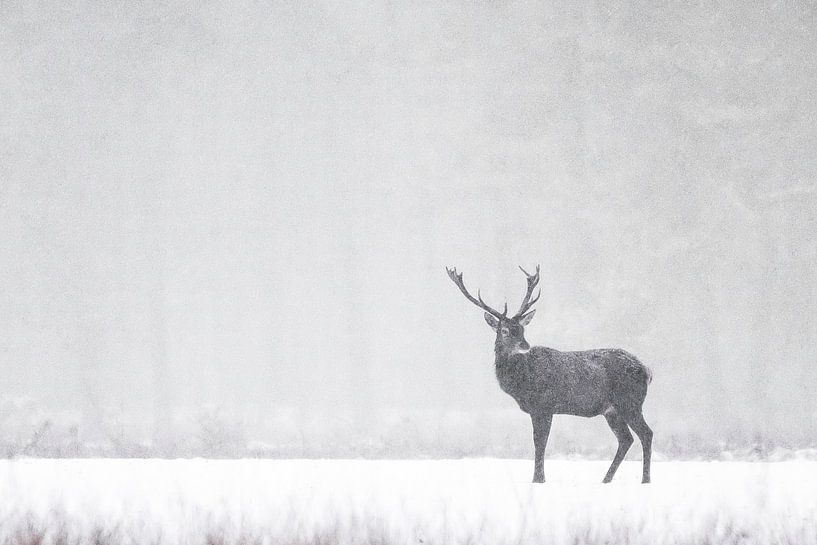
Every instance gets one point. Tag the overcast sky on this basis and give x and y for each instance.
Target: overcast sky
(252, 204)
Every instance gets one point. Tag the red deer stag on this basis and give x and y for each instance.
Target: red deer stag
(544, 381)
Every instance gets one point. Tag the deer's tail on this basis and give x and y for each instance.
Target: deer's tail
(649, 374)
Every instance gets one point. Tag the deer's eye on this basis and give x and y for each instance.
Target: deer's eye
(515, 330)
(505, 331)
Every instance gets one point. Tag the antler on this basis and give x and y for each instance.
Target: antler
(457, 279)
(533, 280)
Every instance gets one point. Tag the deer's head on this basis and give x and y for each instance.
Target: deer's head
(510, 331)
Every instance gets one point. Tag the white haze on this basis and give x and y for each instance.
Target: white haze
(249, 206)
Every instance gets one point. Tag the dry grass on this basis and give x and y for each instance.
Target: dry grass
(30, 530)
(456, 502)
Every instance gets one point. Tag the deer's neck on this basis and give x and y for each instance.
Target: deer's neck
(505, 356)
(508, 365)
(512, 375)
(501, 352)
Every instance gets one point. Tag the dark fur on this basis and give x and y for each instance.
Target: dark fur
(544, 382)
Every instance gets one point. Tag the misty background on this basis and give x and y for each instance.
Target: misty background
(224, 225)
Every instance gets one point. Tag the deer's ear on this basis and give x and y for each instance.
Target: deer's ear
(493, 322)
(525, 320)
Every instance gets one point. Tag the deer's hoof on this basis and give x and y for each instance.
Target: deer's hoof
(645, 481)
(538, 479)
(607, 480)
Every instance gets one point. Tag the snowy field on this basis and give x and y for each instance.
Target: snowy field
(470, 501)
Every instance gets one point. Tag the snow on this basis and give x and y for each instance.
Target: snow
(418, 501)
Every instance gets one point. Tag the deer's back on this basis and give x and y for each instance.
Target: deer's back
(588, 382)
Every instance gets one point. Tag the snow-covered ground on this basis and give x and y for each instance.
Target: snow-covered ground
(445, 502)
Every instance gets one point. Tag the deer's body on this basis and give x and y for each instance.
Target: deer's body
(544, 382)
(586, 383)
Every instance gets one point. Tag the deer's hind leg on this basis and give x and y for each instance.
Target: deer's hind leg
(625, 439)
(644, 433)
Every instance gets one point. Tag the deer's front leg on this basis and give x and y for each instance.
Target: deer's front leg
(541, 431)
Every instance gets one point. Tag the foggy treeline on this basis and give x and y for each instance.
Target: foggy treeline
(238, 214)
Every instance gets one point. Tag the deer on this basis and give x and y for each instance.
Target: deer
(544, 381)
